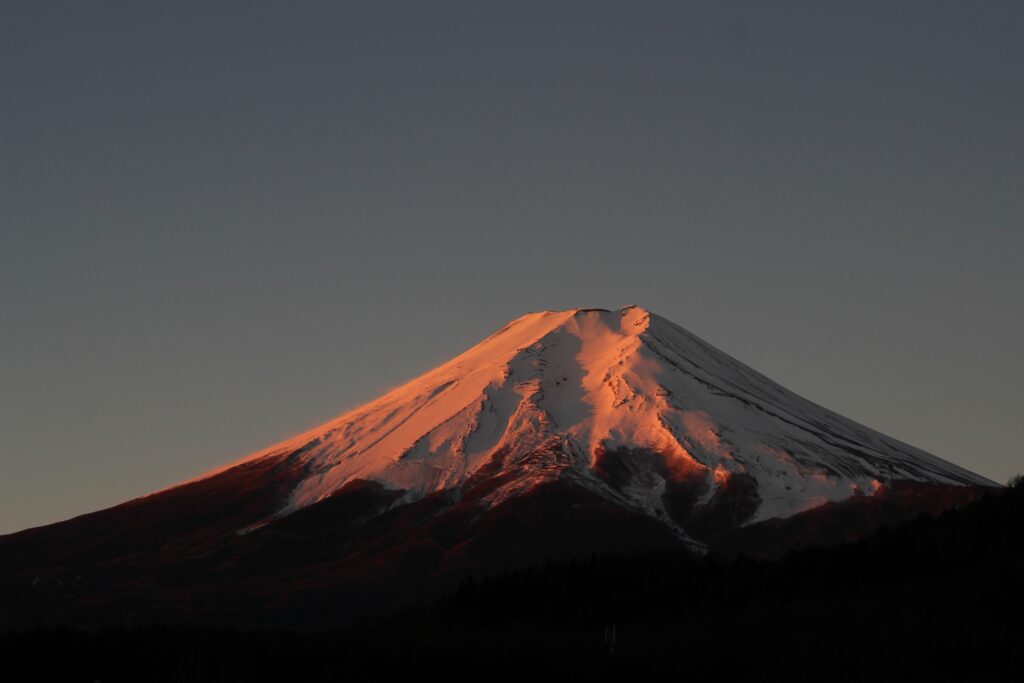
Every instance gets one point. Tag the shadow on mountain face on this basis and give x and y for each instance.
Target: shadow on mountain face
(937, 598)
(215, 552)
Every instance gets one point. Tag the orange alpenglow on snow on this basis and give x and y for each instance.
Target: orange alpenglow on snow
(555, 392)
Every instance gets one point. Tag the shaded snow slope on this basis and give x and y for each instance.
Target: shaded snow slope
(551, 392)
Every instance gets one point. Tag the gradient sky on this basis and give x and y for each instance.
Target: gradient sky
(224, 223)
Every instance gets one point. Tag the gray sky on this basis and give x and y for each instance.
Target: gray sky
(224, 223)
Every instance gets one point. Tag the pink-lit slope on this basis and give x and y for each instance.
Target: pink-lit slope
(555, 392)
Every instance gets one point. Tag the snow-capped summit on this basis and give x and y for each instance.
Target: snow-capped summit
(563, 434)
(624, 403)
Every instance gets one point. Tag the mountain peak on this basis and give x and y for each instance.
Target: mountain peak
(623, 402)
(563, 433)
(573, 312)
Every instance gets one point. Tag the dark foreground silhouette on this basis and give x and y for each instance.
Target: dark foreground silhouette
(936, 598)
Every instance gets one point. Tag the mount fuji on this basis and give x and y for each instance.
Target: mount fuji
(563, 433)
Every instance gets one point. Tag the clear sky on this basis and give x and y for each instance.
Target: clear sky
(224, 223)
